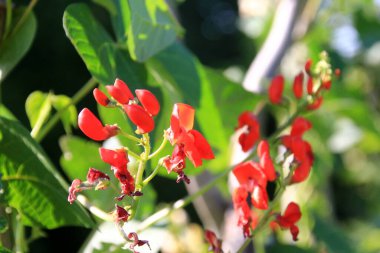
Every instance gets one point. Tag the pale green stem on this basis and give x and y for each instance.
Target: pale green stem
(159, 149)
(94, 210)
(20, 245)
(56, 117)
(140, 173)
(27, 11)
(133, 154)
(131, 137)
(154, 173)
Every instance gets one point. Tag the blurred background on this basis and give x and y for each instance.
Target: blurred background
(340, 201)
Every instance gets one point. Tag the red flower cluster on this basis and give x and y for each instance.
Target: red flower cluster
(252, 132)
(301, 149)
(136, 242)
(188, 142)
(140, 115)
(291, 216)
(215, 243)
(253, 178)
(118, 160)
(95, 180)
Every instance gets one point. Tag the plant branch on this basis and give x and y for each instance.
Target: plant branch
(94, 209)
(27, 11)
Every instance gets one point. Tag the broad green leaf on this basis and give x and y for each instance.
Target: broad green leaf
(103, 58)
(152, 28)
(6, 113)
(17, 44)
(78, 155)
(332, 236)
(38, 107)
(68, 112)
(31, 183)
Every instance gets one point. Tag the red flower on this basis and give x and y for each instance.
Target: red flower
(188, 141)
(97, 178)
(120, 92)
(300, 126)
(215, 243)
(93, 128)
(326, 84)
(248, 139)
(121, 214)
(254, 181)
(310, 85)
(116, 158)
(266, 162)
(298, 86)
(148, 101)
(308, 64)
(291, 216)
(136, 242)
(246, 218)
(140, 118)
(303, 154)
(73, 190)
(100, 97)
(276, 89)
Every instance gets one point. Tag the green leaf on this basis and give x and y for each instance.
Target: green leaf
(38, 107)
(152, 28)
(17, 44)
(103, 58)
(280, 248)
(68, 114)
(78, 156)
(147, 203)
(31, 183)
(6, 113)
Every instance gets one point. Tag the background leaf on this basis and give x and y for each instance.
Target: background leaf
(38, 107)
(17, 44)
(31, 183)
(152, 28)
(103, 58)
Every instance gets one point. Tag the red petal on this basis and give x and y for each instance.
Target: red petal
(259, 197)
(100, 97)
(193, 154)
(276, 89)
(250, 171)
(248, 139)
(73, 190)
(202, 145)
(123, 88)
(302, 172)
(300, 126)
(121, 214)
(117, 94)
(292, 213)
(310, 85)
(182, 116)
(267, 166)
(93, 175)
(298, 86)
(117, 158)
(294, 230)
(91, 126)
(140, 118)
(326, 84)
(308, 64)
(262, 147)
(148, 101)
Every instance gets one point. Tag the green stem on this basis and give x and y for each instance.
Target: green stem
(131, 153)
(55, 119)
(131, 137)
(8, 20)
(140, 173)
(154, 173)
(94, 209)
(159, 149)
(20, 245)
(30, 7)
(42, 116)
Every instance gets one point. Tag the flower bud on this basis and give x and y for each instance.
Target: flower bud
(93, 128)
(100, 97)
(298, 86)
(276, 89)
(140, 118)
